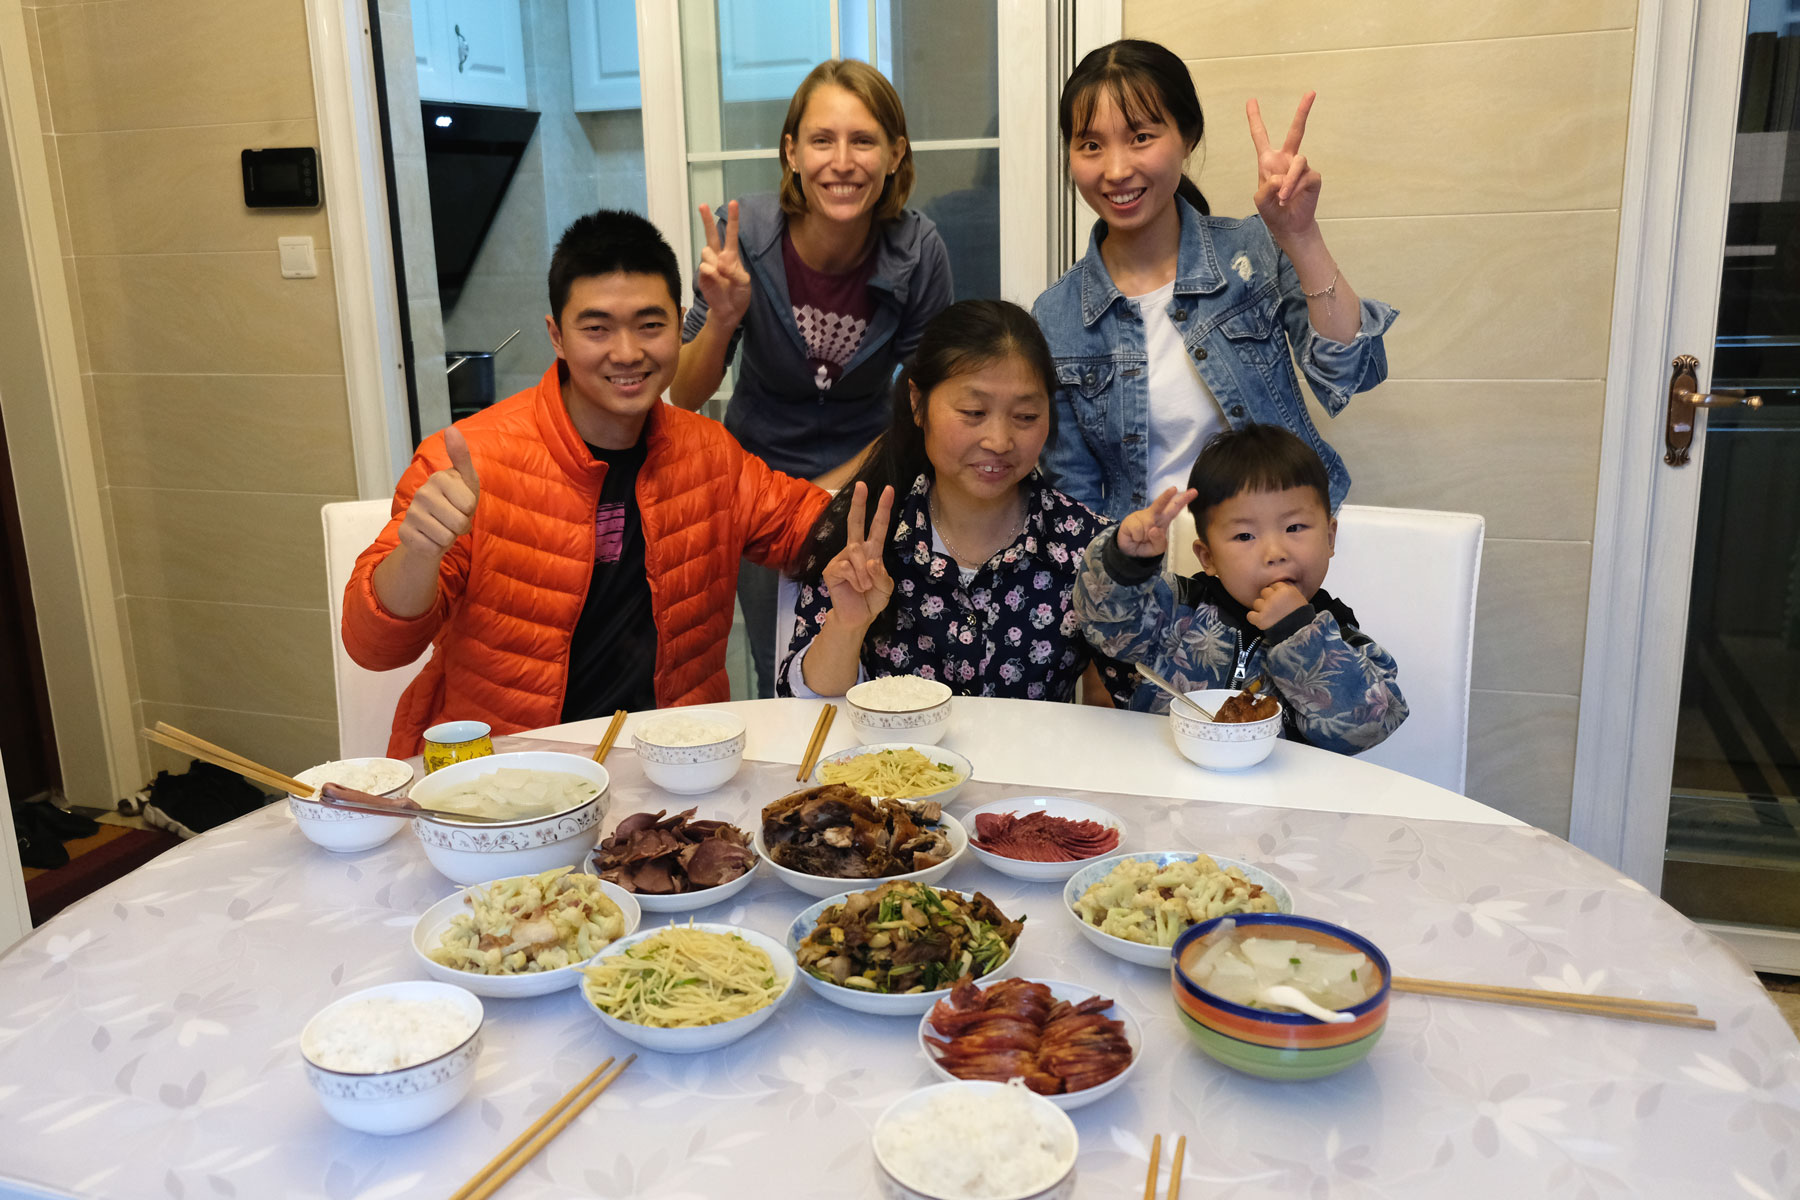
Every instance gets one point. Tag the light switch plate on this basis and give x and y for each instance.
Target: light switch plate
(297, 260)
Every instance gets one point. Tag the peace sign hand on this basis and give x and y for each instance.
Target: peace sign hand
(1287, 189)
(443, 508)
(1145, 533)
(724, 281)
(858, 580)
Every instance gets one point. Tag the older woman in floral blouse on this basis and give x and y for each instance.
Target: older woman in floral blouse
(974, 586)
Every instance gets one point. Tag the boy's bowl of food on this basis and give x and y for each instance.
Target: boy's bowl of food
(684, 989)
(899, 966)
(897, 771)
(1222, 966)
(1239, 738)
(542, 810)
(954, 1141)
(1137, 906)
(900, 706)
(689, 751)
(393, 1058)
(339, 829)
(526, 936)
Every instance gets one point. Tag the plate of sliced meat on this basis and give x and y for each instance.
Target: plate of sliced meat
(1069, 1043)
(674, 863)
(1043, 839)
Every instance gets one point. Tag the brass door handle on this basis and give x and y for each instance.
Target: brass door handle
(1684, 398)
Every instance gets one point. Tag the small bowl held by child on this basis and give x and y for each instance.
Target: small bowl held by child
(1222, 745)
(341, 830)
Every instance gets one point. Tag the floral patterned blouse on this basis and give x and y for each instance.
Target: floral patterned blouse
(1007, 628)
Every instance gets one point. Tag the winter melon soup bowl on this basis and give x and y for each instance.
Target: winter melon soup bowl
(1245, 986)
(531, 811)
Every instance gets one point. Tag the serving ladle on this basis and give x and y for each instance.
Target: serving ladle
(1174, 692)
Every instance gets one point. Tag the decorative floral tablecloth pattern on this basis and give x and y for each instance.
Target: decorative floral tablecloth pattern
(148, 1036)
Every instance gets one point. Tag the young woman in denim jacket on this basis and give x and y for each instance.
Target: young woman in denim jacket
(820, 292)
(974, 585)
(1177, 324)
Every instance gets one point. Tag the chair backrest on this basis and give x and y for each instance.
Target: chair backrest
(1410, 575)
(365, 699)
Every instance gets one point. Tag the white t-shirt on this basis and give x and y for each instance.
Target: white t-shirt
(1183, 412)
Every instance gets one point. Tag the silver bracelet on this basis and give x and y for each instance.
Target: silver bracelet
(1329, 291)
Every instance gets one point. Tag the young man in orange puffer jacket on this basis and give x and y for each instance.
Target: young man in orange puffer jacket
(574, 549)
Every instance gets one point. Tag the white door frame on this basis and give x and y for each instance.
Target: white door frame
(1678, 159)
(362, 244)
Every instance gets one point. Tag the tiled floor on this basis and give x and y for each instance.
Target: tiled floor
(1785, 991)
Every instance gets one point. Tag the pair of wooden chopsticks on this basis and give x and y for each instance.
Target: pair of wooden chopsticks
(1174, 1168)
(504, 1165)
(821, 727)
(612, 735)
(1620, 1008)
(165, 734)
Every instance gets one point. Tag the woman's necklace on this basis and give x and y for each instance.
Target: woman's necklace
(937, 525)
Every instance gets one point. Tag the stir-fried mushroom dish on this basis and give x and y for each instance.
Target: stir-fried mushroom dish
(838, 832)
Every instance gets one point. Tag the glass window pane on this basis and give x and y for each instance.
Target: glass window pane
(960, 191)
(742, 60)
(946, 67)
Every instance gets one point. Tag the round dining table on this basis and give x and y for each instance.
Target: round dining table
(149, 1033)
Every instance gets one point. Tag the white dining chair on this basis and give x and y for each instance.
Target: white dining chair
(365, 699)
(1410, 575)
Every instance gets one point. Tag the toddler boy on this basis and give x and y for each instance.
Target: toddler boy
(1257, 612)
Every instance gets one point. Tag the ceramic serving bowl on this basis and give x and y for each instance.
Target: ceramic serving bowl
(1231, 746)
(428, 932)
(1139, 952)
(936, 754)
(881, 1004)
(896, 1186)
(831, 885)
(389, 1102)
(476, 853)
(1279, 1045)
(692, 770)
(682, 901)
(875, 722)
(1074, 993)
(694, 1039)
(339, 829)
(1055, 806)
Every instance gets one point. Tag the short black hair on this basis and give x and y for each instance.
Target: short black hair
(1256, 458)
(607, 241)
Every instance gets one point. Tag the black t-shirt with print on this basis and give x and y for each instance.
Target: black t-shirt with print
(612, 657)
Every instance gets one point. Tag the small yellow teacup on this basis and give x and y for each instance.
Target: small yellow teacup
(454, 742)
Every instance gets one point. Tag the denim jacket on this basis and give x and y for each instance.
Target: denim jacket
(777, 410)
(1239, 305)
(1338, 689)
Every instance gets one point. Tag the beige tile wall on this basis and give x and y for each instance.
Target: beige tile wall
(216, 387)
(1472, 158)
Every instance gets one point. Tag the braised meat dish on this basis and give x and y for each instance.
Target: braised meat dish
(1017, 1028)
(838, 832)
(654, 855)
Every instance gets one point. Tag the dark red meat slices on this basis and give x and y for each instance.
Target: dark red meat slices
(1040, 837)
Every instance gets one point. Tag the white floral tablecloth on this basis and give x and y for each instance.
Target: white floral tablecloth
(148, 1036)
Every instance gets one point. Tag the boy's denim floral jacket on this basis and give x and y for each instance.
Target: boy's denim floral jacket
(1337, 688)
(1239, 305)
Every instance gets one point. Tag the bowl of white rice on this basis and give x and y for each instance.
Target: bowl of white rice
(689, 751)
(899, 708)
(972, 1140)
(340, 829)
(393, 1058)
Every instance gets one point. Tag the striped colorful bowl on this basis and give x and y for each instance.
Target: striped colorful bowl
(1279, 1045)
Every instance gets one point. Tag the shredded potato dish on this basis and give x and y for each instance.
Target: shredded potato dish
(1143, 902)
(530, 924)
(891, 774)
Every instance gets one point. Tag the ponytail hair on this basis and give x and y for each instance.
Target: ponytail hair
(1149, 83)
(965, 337)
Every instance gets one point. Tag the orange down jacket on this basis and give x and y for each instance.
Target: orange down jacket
(509, 591)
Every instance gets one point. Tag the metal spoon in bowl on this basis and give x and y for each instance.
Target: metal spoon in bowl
(1174, 692)
(1299, 1001)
